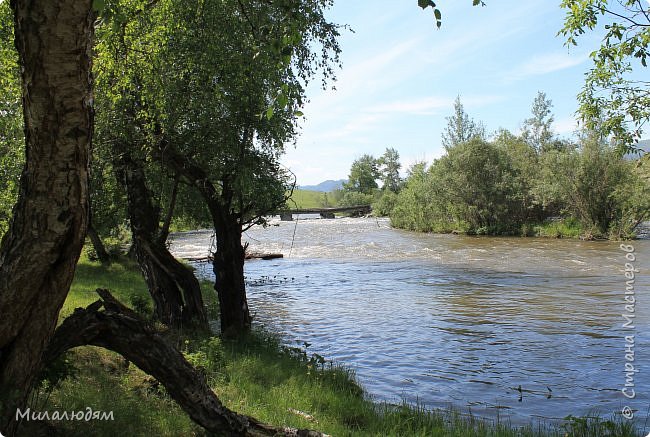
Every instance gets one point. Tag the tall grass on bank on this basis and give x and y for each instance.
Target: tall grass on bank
(305, 199)
(565, 228)
(255, 375)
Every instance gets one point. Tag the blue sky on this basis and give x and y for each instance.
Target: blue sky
(400, 77)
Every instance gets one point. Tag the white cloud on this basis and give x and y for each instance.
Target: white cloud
(541, 64)
(354, 129)
(371, 73)
(418, 106)
(432, 105)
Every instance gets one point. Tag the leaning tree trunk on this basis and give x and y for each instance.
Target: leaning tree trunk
(39, 252)
(173, 287)
(98, 245)
(119, 329)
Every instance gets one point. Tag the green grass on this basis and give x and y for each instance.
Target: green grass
(302, 199)
(122, 278)
(565, 228)
(105, 382)
(256, 375)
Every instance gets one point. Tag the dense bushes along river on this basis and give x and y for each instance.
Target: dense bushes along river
(507, 187)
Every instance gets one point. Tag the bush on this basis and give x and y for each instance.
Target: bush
(604, 192)
(353, 198)
(385, 204)
(473, 188)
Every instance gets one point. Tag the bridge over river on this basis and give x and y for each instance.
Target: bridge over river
(328, 213)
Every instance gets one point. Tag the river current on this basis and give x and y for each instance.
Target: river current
(516, 328)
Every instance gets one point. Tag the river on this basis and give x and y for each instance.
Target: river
(461, 321)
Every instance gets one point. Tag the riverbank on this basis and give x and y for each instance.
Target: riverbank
(257, 376)
(556, 228)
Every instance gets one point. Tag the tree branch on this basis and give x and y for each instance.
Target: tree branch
(120, 329)
(250, 23)
(643, 11)
(623, 17)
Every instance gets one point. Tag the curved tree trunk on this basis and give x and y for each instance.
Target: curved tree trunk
(173, 287)
(119, 329)
(39, 252)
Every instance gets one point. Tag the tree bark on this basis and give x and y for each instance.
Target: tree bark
(228, 267)
(39, 252)
(119, 329)
(173, 287)
(228, 260)
(98, 245)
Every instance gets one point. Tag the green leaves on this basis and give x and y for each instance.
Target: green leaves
(282, 100)
(436, 12)
(12, 143)
(363, 175)
(98, 6)
(460, 127)
(426, 3)
(613, 100)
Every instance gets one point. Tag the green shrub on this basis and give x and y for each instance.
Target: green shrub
(353, 198)
(384, 206)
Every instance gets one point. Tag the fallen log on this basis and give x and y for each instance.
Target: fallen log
(248, 255)
(121, 330)
(261, 255)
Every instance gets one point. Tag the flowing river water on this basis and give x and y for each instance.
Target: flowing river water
(456, 320)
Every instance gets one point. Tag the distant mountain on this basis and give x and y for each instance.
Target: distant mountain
(643, 146)
(325, 187)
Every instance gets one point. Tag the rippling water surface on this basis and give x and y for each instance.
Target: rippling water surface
(458, 320)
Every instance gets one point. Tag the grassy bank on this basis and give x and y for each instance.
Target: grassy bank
(565, 228)
(557, 228)
(304, 199)
(257, 376)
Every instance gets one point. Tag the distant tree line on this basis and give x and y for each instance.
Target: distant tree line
(533, 183)
(362, 186)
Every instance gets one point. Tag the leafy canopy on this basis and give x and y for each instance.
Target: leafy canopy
(363, 175)
(537, 129)
(12, 143)
(615, 99)
(389, 167)
(460, 127)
